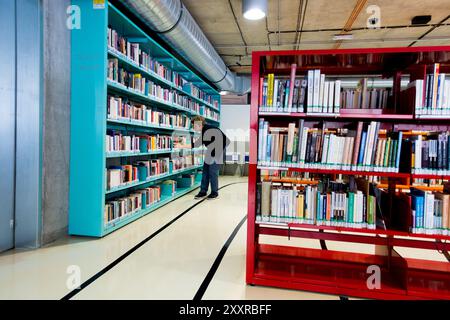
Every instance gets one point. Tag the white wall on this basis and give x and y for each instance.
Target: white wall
(235, 123)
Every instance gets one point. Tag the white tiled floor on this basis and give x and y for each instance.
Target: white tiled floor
(172, 265)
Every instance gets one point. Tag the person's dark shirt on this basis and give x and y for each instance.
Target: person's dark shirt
(208, 139)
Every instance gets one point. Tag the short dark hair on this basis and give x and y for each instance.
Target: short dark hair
(198, 119)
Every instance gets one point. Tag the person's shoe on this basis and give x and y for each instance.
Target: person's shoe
(200, 195)
(213, 196)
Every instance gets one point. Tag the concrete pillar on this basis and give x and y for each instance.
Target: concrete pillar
(56, 120)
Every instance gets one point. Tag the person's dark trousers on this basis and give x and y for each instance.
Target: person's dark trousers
(210, 175)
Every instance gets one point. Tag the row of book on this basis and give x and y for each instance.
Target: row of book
(315, 95)
(199, 94)
(431, 153)
(311, 94)
(364, 97)
(310, 204)
(365, 149)
(182, 142)
(335, 203)
(118, 142)
(210, 114)
(138, 83)
(120, 176)
(136, 54)
(143, 199)
(124, 110)
(124, 207)
(183, 162)
(432, 94)
(430, 212)
(141, 171)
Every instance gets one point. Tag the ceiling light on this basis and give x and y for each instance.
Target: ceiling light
(254, 9)
(348, 36)
(223, 93)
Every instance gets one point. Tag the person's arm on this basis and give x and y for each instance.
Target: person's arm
(199, 142)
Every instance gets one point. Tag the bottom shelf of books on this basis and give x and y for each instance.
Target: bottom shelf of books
(123, 210)
(376, 213)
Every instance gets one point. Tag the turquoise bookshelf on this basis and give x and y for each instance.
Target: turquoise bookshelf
(89, 123)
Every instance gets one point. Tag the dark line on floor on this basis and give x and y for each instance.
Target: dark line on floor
(342, 298)
(204, 286)
(443, 251)
(323, 244)
(129, 252)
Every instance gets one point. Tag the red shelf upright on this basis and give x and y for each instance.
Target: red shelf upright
(336, 272)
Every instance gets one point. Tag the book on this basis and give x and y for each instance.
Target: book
(123, 207)
(363, 149)
(291, 88)
(329, 203)
(309, 93)
(430, 152)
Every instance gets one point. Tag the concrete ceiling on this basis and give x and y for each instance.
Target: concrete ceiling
(311, 24)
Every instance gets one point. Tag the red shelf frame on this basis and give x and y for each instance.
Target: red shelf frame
(365, 115)
(430, 176)
(346, 172)
(332, 272)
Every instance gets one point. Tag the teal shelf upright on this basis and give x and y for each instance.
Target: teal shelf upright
(89, 124)
(88, 121)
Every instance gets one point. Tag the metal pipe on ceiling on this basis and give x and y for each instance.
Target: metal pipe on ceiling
(173, 22)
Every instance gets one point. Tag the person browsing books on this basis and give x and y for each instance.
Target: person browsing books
(215, 142)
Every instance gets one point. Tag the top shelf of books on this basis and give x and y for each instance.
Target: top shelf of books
(392, 83)
(133, 47)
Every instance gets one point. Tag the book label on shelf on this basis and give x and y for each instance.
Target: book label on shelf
(99, 4)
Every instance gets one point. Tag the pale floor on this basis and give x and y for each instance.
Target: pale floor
(172, 265)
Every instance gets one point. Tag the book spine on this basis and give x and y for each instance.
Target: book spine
(316, 91)
(337, 96)
(310, 94)
(291, 88)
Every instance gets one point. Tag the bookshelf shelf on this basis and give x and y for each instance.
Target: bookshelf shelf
(116, 87)
(347, 230)
(154, 76)
(94, 210)
(113, 155)
(328, 271)
(344, 172)
(152, 180)
(164, 200)
(430, 176)
(344, 116)
(148, 126)
(135, 67)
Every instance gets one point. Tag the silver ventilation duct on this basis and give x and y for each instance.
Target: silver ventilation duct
(173, 22)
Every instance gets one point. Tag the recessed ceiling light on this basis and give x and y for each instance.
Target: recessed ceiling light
(254, 9)
(348, 36)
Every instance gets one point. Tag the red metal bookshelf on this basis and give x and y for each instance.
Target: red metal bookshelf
(353, 172)
(336, 272)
